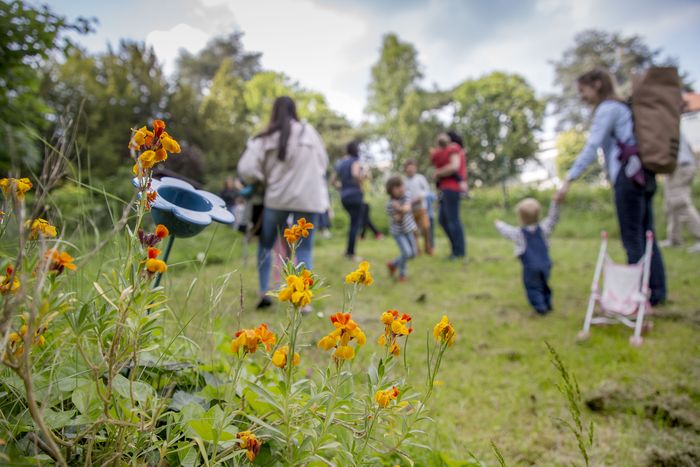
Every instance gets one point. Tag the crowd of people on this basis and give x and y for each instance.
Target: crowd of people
(283, 176)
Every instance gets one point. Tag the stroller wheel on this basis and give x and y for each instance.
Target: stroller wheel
(636, 341)
(583, 336)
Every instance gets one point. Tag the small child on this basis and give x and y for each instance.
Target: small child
(531, 246)
(403, 225)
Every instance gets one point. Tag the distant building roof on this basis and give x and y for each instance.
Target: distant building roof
(692, 100)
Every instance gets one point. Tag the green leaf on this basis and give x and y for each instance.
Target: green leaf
(55, 420)
(87, 401)
(125, 388)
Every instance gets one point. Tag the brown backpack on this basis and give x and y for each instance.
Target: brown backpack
(656, 107)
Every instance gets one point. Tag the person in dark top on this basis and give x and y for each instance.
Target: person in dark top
(349, 175)
(531, 246)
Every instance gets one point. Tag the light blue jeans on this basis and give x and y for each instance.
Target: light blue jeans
(274, 221)
(408, 248)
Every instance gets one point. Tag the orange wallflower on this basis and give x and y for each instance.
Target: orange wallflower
(279, 358)
(395, 326)
(250, 339)
(7, 283)
(298, 289)
(250, 443)
(40, 227)
(60, 261)
(298, 231)
(444, 331)
(16, 186)
(154, 265)
(361, 275)
(384, 398)
(345, 331)
(161, 231)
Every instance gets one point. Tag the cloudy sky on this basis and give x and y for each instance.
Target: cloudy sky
(330, 45)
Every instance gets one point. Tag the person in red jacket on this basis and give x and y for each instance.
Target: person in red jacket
(450, 165)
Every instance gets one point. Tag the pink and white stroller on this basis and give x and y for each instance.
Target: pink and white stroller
(625, 295)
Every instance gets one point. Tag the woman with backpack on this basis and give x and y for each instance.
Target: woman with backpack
(288, 158)
(612, 130)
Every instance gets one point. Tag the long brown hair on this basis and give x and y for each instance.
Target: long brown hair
(284, 110)
(606, 89)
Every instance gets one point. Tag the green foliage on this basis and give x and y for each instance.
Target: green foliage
(30, 34)
(622, 55)
(395, 74)
(570, 390)
(497, 116)
(569, 144)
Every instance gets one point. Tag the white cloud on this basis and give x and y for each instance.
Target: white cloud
(167, 44)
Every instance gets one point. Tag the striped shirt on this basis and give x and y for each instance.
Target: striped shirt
(406, 223)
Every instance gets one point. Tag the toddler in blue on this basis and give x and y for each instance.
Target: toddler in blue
(532, 247)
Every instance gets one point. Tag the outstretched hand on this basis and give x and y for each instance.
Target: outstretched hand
(560, 195)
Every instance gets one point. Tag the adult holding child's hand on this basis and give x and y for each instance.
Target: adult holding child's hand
(612, 130)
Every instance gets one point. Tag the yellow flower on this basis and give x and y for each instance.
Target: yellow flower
(7, 284)
(250, 339)
(299, 230)
(444, 331)
(384, 398)
(161, 155)
(361, 275)
(141, 137)
(279, 358)
(17, 185)
(344, 352)
(169, 144)
(250, 443)
(395, 350)
(156, 265)
(327, 343)
(40, 227)
(298, 290)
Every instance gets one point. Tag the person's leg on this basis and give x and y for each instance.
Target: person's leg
(272, 222)
(657, 279)
(673, 207)
(404, 244)
(368, 221)
(547, 290)
(633, 205)
(535, 290)
(305, 248)
(454, 222)
(354, 209)
(688, 211)
(443, 219)
(364, 220)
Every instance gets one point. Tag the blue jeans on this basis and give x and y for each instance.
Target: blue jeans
(451, 223)
(537, 289)
(274, 221)
(408, 248)
(353, 205)
(635, 215)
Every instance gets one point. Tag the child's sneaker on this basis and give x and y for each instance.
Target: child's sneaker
(378, 236)
(392, 268)
(402, 279)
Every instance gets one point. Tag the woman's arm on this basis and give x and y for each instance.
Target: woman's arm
(450, 168)
(250, 168)
(603, 122)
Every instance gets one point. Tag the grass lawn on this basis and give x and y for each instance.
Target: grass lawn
(498, 383)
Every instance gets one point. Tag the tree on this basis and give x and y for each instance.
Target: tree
(621, 55)
(198, 70)
(29, 36)
(225, 118)
(497, 115)
(569, 144)
(117, 90)
(395, 75)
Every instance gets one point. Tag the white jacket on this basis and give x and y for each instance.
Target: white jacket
(298, 183)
